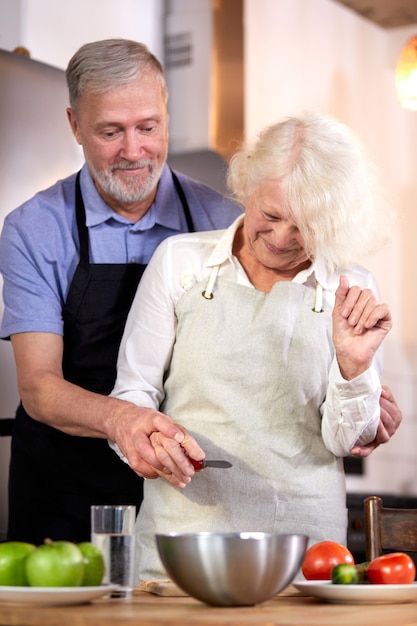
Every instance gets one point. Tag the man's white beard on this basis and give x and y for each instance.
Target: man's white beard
(131, 189)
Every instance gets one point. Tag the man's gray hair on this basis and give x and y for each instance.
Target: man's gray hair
(102, 65)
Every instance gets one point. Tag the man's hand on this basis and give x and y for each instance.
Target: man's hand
(173, 455)
(389, 421)
(150, 441)
(153, 444)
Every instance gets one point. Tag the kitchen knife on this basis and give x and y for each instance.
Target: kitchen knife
(200, 465)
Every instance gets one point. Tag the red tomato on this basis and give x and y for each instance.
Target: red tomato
(395, 568)
(322, 557)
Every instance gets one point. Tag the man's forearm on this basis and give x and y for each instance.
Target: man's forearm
(70, 408)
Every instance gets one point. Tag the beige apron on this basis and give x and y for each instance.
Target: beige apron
(248, 374)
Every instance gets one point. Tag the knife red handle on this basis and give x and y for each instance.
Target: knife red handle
(198, 465)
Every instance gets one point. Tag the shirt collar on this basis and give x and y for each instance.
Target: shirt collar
(316, 272)
(165, 209)
(223, 249)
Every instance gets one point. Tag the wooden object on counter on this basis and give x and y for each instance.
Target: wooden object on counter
(389, 529)
(148, 609)
(161, 588)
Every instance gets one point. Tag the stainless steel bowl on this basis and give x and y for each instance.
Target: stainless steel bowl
(232, 569)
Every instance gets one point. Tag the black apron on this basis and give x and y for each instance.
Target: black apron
(55, 477)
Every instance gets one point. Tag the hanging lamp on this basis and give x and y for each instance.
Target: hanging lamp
(406, 75)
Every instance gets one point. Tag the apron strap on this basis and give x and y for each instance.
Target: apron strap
(208, 291)
(82, 228)
(184, 202)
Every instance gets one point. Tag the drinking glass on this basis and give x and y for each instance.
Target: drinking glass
(113, 532)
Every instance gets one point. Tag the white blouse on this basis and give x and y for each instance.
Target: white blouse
(350, 412)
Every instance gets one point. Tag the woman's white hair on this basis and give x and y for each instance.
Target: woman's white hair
(329, 185)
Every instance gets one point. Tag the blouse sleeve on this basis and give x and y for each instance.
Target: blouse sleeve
(148, 339)
(351, 411)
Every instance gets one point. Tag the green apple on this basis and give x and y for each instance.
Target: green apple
(13, 555)
(93, 564)
(55, 564)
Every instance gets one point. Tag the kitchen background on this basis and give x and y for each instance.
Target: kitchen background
(233, 66)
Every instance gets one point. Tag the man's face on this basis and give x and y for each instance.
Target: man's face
(124, 135)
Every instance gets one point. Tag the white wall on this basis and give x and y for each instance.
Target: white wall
(53, 31)
(317, 54)
(10, 23)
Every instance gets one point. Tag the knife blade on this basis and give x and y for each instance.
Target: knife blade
(200, 465)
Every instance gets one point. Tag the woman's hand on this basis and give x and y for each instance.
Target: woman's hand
(173, 456)
(360, 324)
(153, 445)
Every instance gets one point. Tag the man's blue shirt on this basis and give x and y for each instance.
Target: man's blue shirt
(39, 247)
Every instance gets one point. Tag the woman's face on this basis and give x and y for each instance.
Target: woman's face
(270, 235)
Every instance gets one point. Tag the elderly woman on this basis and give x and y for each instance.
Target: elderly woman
(264, 341)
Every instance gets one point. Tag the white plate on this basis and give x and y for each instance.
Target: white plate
(53, 595)
(358, 594)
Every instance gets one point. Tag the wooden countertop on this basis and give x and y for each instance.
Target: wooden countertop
(289, 608)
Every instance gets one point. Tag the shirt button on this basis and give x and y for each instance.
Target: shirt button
(133, 260)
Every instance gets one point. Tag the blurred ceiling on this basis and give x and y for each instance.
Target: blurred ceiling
(385, 13)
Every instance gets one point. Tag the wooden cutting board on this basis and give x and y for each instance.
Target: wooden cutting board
(161, 588)
(169, 588)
